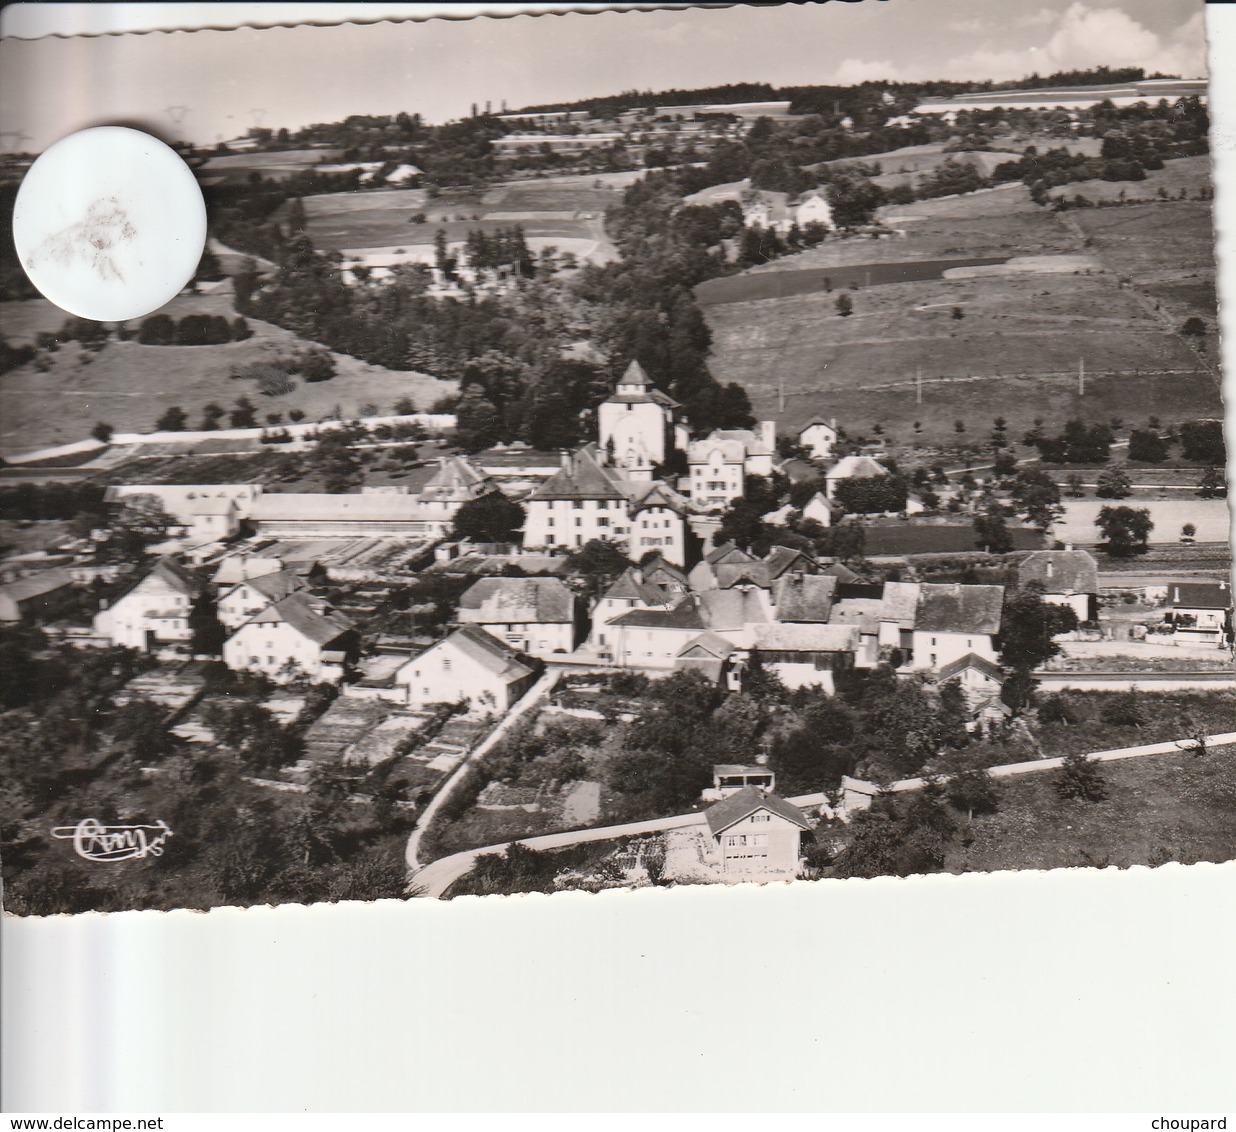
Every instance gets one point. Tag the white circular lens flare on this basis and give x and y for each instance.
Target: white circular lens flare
(109, 224)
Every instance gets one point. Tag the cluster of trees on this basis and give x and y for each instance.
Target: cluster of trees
(192, 330)
(1078, 443)
(503, 247)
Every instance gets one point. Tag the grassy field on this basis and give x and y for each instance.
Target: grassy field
(129, 385)
(1211, 517)
(1187, 173)
(1016, 349)
(1160, 808)
(383, 219)
(234, 168)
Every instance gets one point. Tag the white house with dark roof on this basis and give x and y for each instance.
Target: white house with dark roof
(630, 591)
(712, 655)
(1200, 613)
(297, 636)
(578, 504)
(470, 666)
(819, 510)
(758, 836)
(1064, 577)
(818, 436)
(534, 615)
(155, 612)
(952, 620)
(243, 601)
(720, 462)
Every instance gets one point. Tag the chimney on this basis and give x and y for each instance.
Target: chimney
(1051, 568)
(565, 457)
(832, 423)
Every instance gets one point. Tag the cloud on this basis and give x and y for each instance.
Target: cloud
(849, 72)
(965, 27)
(1088, 36)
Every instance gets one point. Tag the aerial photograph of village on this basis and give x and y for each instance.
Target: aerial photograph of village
(779, 450)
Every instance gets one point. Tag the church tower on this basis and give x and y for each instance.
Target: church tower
(636, 425)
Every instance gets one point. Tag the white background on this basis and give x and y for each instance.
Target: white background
(1076, 990)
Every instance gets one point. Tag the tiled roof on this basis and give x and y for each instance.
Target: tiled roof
(956, 608)
(732, 609)
(900, 603)
(635, 374)
(320, 625)
(813, 422)
(497, 656)
(840, 571)
(656, 495)
(1200, 595)
(1060, 571)
(278, 585)
(731, 574)
(528, 600)
(710, 643)
(750, 800)
(177, 576)
(783, 558)
(583, 478)
(862, 612)
(727, 552)
(971, 660)
(685, 615)
(805, 597)
(806, 638)
(35, 585)
(629, 586)
(455, 473)
(659, 566)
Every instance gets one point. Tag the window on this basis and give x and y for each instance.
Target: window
(603, 521)
(549, 540)
(933, 642)
(446, 664)
(549, 522)
(579, 522)
(577, 504)
(761, 817)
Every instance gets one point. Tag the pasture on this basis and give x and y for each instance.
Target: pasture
(899, 538)
(129, 385)
(1211, 517)
(234, 168)
(1190, 174)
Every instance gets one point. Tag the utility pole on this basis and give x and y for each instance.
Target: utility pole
(780, 391)
(918, 387)
(1081, 377)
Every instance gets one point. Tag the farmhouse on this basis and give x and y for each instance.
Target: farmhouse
(534, 615)
(630, 591)
(1064, 577)
(298, 636)
(953, 620)
(818, 436)
(803, 655)
(757, 834)
(33, 595)
(239, 603)
(980, 681)
(470, 666)
(154, 612)
(654, 638)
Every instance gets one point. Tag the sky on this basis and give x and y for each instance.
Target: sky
(293, 76)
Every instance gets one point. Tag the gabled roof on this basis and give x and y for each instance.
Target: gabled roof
(1060, 571)
(816, 421)
(731, 574)
(805, 597)
(708, 644)
(727, 552)
(806, 638)
(320, 625)
(900, 603)
(581, 478)
(275, 586)
(971, 660)
(957, 608)
(498, 657)
(655, 494)
(1200, 595)
(747, 801)
(861, 612)
(629, 586)
(783, 558)
(686, 614)
(840, 571)
(856, 468)
(175, 575)
(455, 473)
(530, 600)
(819, 499)
(659, 566)
(635, 374)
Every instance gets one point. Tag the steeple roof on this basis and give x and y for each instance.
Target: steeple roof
(635, 375)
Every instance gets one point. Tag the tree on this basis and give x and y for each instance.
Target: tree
(102, 432)
(491, 518)
(1147, 446)
(316, 365)
(244, 415)
(1201, 442)
(1077, 486)
(1028, 625)
(991, 533)
(1114, 483)
(212, 414)
(1187, 532)
(1080, 779)
(845, 305)
(1193, 328)
(1213, 484)
(157, 330)
(142, 726)
(1037, 497)
(174, 419)
(597, 563)
(1126, 529)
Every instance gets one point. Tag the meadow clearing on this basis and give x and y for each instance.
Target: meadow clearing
(129, 385)
(234, 168)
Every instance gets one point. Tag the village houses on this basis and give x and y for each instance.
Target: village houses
(537, 616)
(468, 666)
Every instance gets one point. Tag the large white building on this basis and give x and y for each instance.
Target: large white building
(720, 462)
(154, 613)
(535, 615)
(296, 637)
(638, 426)
(470, 666)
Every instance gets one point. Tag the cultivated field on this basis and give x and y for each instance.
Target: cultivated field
(235, 168)
(565, 212)
(129, 385)
(1023, 332)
